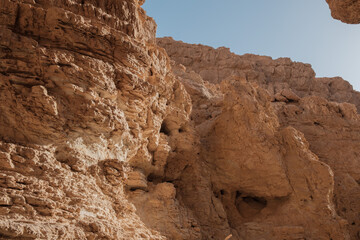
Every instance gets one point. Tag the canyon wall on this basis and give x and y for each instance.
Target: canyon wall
(292, 98)
(215, 65)
(103, 136)
(84, 91)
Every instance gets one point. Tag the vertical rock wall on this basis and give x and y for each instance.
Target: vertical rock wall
(103, 137)
(84, 92)
(258, 163)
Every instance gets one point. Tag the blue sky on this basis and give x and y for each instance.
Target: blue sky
(300, 29)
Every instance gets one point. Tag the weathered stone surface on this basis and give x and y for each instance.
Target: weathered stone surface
(250, 169)
(215, 65)
(102, 136)
(348, 11)
(84, 92)
(332, 130)
(230, 142)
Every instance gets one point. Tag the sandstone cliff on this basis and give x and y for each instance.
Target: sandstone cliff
(102, 136)
(293, 98)
(215, 65)
(84, 92)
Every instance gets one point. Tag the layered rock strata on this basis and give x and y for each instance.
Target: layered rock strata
(103, 137)
(84, 91)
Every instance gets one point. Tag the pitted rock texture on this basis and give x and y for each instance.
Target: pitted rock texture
(262, 179)
(102, 136)
(215, 65)
(330, 127)
(332, 130)
(84, 92)
(348, 11)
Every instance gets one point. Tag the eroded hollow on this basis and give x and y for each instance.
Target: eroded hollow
(164, 129)
(249, 206)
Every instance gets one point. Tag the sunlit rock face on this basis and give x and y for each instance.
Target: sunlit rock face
(282, 78)
(102, 136)
(348, 11)
(333, 131)
(84, 91)
(241, 107)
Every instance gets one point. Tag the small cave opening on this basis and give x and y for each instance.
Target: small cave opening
(249, 206)
(164, 129)
(219, 194)
(182, 129)
(154, 179)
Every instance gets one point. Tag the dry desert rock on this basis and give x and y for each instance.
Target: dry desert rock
(109, 133)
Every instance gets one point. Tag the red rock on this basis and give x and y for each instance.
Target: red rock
(348, 11)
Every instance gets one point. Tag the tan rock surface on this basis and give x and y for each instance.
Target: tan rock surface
(348, 11)
(332, 130)
(263, 181)
(103, 137)
(215, 65)
(335, 144)
(84, 92)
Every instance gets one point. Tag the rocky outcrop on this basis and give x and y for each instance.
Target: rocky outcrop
(103, 137)
(247, 168)
(84, 92)
(330, 130)
(215, 65)
(348, 11)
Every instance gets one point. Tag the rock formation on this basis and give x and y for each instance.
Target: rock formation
(84, 93)
(348, 11)
(294, 99)
(215, 65)
(102, 136)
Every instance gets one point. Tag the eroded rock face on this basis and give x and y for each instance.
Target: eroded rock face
(249, 166)
(332, 130)
(84, 92)
(103, 137)
(215, 65)
(240, 134)
(348, 11)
